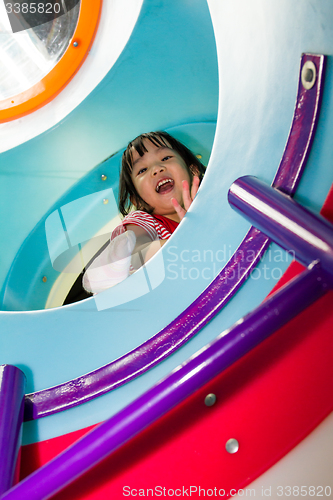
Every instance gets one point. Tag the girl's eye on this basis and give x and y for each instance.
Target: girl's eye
(142, 170)
(166, 158)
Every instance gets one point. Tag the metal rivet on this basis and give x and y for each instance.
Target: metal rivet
(75, 44)
(104, 177)
(210, 399)
(232, 445)
(199, 156)
(308, 75)
(44, 279)
(105, 201)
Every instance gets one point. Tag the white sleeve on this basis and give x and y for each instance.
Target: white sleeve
(112, 266)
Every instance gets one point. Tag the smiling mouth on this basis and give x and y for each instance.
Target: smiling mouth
(164, 186)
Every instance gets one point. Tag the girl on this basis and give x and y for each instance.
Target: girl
(160, 177)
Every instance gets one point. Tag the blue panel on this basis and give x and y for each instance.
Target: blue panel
(159, 80)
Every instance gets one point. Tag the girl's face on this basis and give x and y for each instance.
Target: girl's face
(157, 177)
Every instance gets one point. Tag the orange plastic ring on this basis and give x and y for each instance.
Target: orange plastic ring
(50, 86)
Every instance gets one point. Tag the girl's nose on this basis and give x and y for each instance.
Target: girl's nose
(157, 168)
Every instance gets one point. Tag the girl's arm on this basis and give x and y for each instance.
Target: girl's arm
(112, 265)
(125, 254)
(134, 249)
(144, 248)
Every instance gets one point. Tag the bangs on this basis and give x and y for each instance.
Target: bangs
(140, 148)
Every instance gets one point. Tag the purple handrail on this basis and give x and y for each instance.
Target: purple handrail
(285, 221)
(12, 387)
(302, 129)
(183, 381)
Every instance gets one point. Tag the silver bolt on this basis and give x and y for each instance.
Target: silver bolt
(232, 445)
(75, 44)
(210, 399)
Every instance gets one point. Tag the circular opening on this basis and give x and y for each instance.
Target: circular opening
(37, 56)
(31, 47)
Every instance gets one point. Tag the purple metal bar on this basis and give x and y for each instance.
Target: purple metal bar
(148, 354)
(12, 386)
(302, 129)
(183, 381)
(216, 295)
(290, 225)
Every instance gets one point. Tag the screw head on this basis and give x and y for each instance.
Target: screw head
(210, 399)
(104, 177)
(199, 157)
(105, 201)
(232, 446)
(44, 279)
(75, 43)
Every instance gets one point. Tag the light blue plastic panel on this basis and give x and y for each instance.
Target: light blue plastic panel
(75, 218)
(166, 75)
(59, 236)
(259, 48)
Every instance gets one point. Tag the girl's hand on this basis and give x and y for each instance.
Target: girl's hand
(188, 197)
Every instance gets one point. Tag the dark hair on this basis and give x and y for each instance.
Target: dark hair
(127, 191)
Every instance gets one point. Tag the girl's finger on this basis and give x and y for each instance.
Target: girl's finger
(195, 186)
(179, 209)
(186, 195)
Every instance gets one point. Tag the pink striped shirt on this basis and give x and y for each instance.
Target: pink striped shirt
(154, 228)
